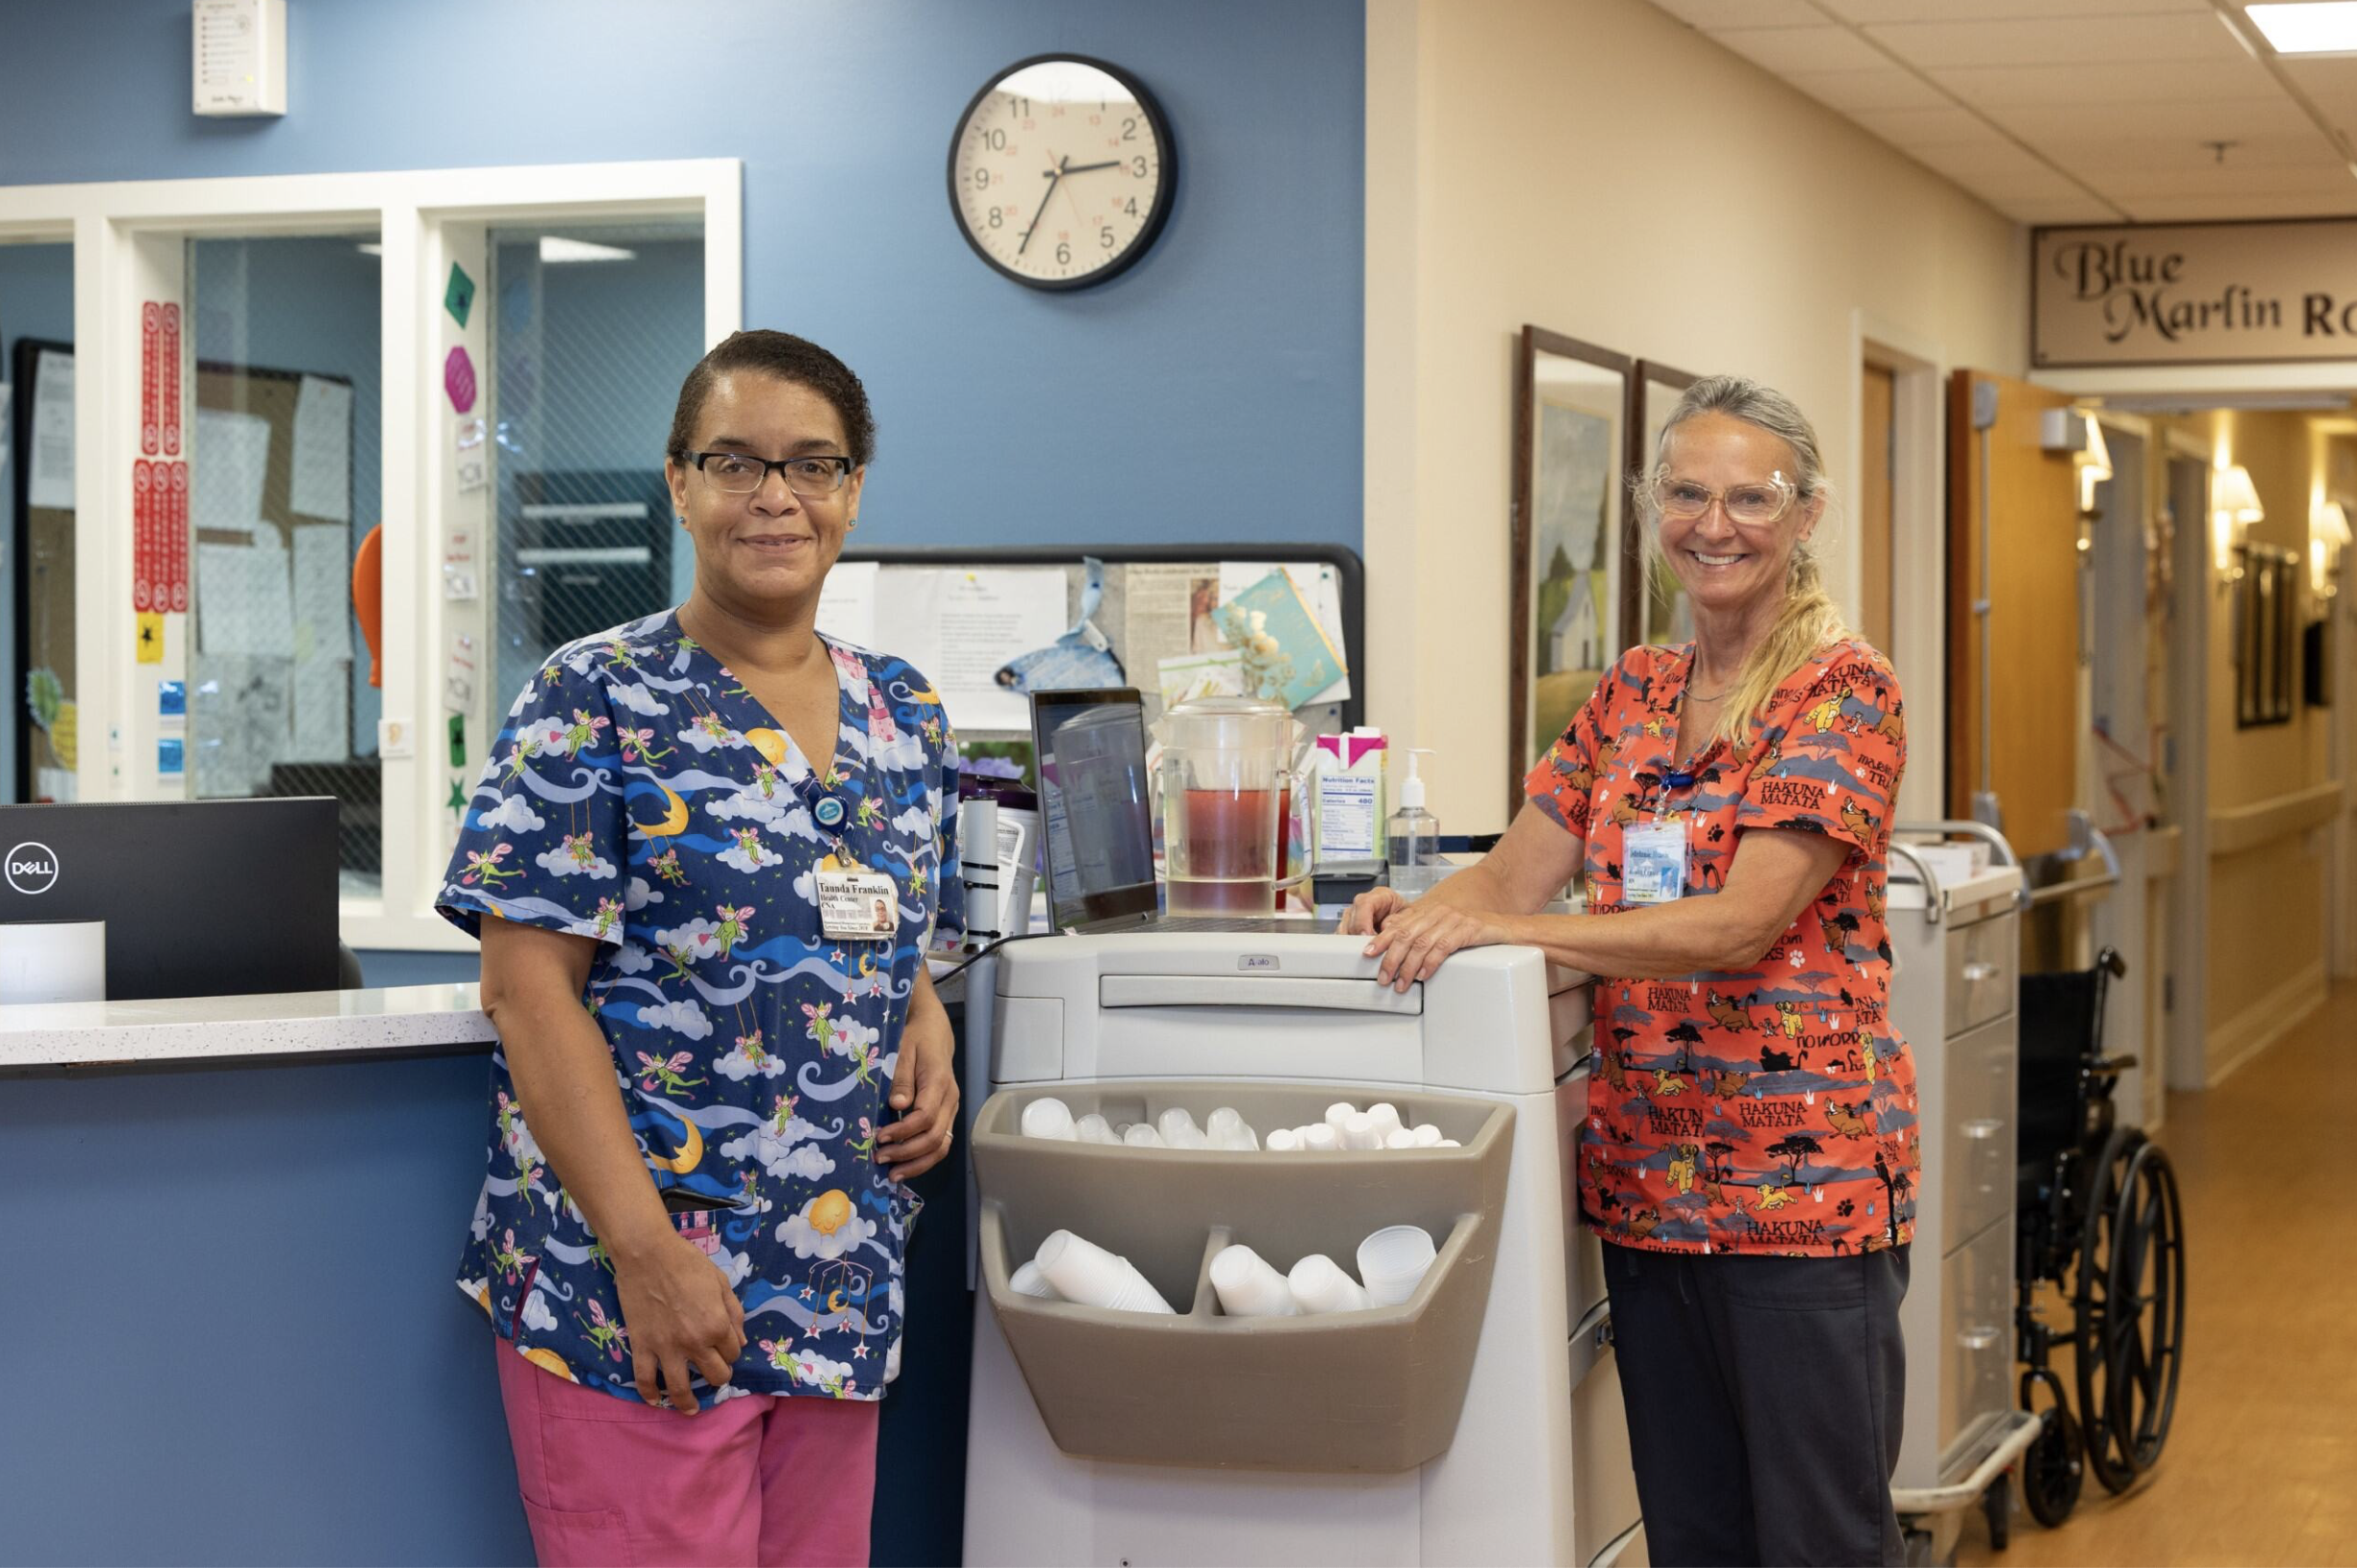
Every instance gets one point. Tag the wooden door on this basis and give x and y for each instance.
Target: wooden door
(1877, 447)
(2032, 589)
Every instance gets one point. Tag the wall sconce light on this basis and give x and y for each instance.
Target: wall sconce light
(2234, 506)
(2328, 535)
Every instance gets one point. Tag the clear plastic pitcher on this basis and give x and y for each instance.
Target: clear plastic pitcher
(1225, 778)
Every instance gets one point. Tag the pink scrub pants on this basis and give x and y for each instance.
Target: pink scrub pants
(761, 1478)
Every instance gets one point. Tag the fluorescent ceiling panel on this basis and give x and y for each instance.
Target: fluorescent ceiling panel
(2317, 27)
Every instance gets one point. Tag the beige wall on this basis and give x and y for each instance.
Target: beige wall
(1595, 167)
(2265, 925)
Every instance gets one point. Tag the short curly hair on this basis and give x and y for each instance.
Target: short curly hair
(789, 358)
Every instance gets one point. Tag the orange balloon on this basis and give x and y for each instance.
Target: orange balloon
(368, 598)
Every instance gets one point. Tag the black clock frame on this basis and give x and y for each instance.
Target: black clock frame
(1167, 152)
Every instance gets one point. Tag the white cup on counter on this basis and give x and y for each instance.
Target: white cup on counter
(1083, 1272)
(1322, 1285)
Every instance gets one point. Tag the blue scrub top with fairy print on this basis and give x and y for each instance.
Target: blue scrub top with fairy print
(640, 796)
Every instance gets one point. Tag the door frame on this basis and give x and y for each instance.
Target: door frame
(1919, 538)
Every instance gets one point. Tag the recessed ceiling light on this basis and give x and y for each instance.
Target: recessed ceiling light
(553, 248)
(2317, 27)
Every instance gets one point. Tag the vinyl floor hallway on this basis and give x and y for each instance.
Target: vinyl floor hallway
(2261, 1467)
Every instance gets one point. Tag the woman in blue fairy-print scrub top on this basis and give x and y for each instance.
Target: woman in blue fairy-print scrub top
(705, 861)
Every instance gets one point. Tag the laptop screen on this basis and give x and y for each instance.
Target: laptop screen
(1094, 805)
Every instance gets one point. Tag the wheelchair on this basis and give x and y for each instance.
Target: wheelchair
(2097, 1216)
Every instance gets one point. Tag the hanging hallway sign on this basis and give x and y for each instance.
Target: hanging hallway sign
(2194, 293)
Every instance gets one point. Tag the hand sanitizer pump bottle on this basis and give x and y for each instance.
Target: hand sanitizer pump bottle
(1414, 836)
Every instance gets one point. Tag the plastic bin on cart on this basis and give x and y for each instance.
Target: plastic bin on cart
(1372, 1391)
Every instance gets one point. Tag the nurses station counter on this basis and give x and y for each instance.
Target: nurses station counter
(1479, 1421)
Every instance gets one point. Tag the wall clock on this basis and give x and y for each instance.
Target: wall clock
(1061, 171)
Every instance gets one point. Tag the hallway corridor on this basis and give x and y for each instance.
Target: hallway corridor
(2261, 1464)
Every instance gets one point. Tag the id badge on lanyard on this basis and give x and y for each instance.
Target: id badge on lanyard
(1653, 854)
(856, 905)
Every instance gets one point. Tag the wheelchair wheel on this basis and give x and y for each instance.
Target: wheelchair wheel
(2055, 1466)
(2110, 1454)
(2145, 1300)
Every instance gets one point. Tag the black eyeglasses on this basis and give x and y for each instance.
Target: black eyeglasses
(740, 474)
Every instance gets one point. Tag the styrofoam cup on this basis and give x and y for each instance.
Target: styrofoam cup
(1392, 1260)
(1281, 1141)
(1248, 1287)
(1175, 1122)
(1340, 1111)
(1387, 1115)
(1189, 1136)
(1027, 1281)
(1093, 1129)
(1079, 1270)
(1247, 1140)
(1226, 1120)
(1321, 1139)
(1138, 1135)
(1399, 1138)
(1320, 1284)
(1048, 1118)
(1137, 1295)
(1359, 1131)
(1427, 1134)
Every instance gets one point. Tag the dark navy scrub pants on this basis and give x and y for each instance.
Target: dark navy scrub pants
(1765, 1397)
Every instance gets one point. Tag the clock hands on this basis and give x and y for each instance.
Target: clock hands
(1110, 163)
(1055, 177)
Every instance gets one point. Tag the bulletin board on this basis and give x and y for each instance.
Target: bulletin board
(42, 706)
(1140, 588)
(270, 680)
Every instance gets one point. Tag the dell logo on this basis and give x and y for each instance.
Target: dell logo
(33, 868)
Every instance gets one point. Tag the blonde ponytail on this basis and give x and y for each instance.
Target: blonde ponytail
(1808, 619)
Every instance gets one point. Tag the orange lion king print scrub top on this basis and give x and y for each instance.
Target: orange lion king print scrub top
(1773, 1110)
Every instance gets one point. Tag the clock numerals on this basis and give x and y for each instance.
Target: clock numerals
(1059, 172)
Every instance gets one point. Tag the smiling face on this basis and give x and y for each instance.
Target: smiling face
(1726, 565)
(763, 554)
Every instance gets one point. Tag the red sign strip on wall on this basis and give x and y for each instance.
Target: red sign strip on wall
(151, 427)
(170, 351)
(143, 535)
(175, 551)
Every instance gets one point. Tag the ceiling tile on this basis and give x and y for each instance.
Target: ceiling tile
(2197, 209)
(1783, 49)
(1858, 93)
(2193, 36)
(2059, 210)
(1997, 173)
(1925, 127)
(2138, 81)
(2188, 124)
(1992, 10)
(2134, 155)
(2224, 184)
(1712, 15)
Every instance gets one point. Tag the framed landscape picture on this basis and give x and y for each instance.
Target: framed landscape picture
(1654, 607)
(1571, 412)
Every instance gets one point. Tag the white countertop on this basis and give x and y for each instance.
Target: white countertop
(222, 1029)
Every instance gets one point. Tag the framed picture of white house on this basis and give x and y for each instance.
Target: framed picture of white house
(1571, 403)
(1654, 607)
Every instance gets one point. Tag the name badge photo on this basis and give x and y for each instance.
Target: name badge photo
(857, 905)
(1653, 862)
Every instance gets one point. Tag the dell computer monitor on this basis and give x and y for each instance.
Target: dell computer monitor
(1094, 805)
(201, 897)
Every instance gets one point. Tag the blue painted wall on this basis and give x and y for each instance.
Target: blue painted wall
(36, 300)
(330, 1199)
(1007, 414)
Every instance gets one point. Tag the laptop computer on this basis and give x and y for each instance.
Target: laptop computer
(1097, 817)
